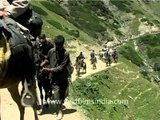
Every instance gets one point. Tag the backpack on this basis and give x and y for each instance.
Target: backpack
(32, 20)
(34, 24)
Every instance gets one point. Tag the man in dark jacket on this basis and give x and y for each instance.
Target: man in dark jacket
(43, 46)
(41, 49)
(58, 60)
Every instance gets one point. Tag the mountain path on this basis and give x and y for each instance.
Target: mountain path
(9, 109)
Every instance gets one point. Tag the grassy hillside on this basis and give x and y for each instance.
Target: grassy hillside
(90, 20)
(136, 78)
(134, 83)
(123, 82)
(55, 24)
(122, 92)
(127, 91)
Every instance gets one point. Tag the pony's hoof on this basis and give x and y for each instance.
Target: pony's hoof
(59, 115)
(46, 105)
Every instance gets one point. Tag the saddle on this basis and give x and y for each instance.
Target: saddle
(10, 37)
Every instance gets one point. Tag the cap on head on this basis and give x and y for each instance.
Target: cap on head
(59, 40)
(35, 26)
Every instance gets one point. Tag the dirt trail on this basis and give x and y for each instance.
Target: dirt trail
(9, 109)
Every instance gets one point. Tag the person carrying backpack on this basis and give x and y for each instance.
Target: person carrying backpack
(58, 59)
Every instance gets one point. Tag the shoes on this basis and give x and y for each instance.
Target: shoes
(59, 115)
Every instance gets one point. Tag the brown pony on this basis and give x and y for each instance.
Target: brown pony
(16, 69)
(80, 64)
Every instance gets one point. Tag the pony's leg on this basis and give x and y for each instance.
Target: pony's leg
(46, 96)
(109, 61)
(85, 67)
(78, 70)
(106, 61)
(94, 67)
(116, 58)
(47, 89)
(41, 95)
(113, 58)
(35, 106)
(17, 98)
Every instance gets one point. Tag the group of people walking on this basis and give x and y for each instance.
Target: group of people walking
(106, 55)
(51, 63)
(51, 59)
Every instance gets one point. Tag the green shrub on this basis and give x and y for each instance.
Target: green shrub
(129, 53)
(55, 7)
(85, 20)
(56, 24)
(156, 64)
(150, 23)
(118, 32)
(122, 5)
(151, 40)
(144, 20)
(153, 52)
(156, 21)
(39, 10)
(138, 12)
(157, 67)
(73, 2)
(90, 89)
(99, 8)
(74, 33)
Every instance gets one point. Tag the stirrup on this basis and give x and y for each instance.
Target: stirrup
(27, 99)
